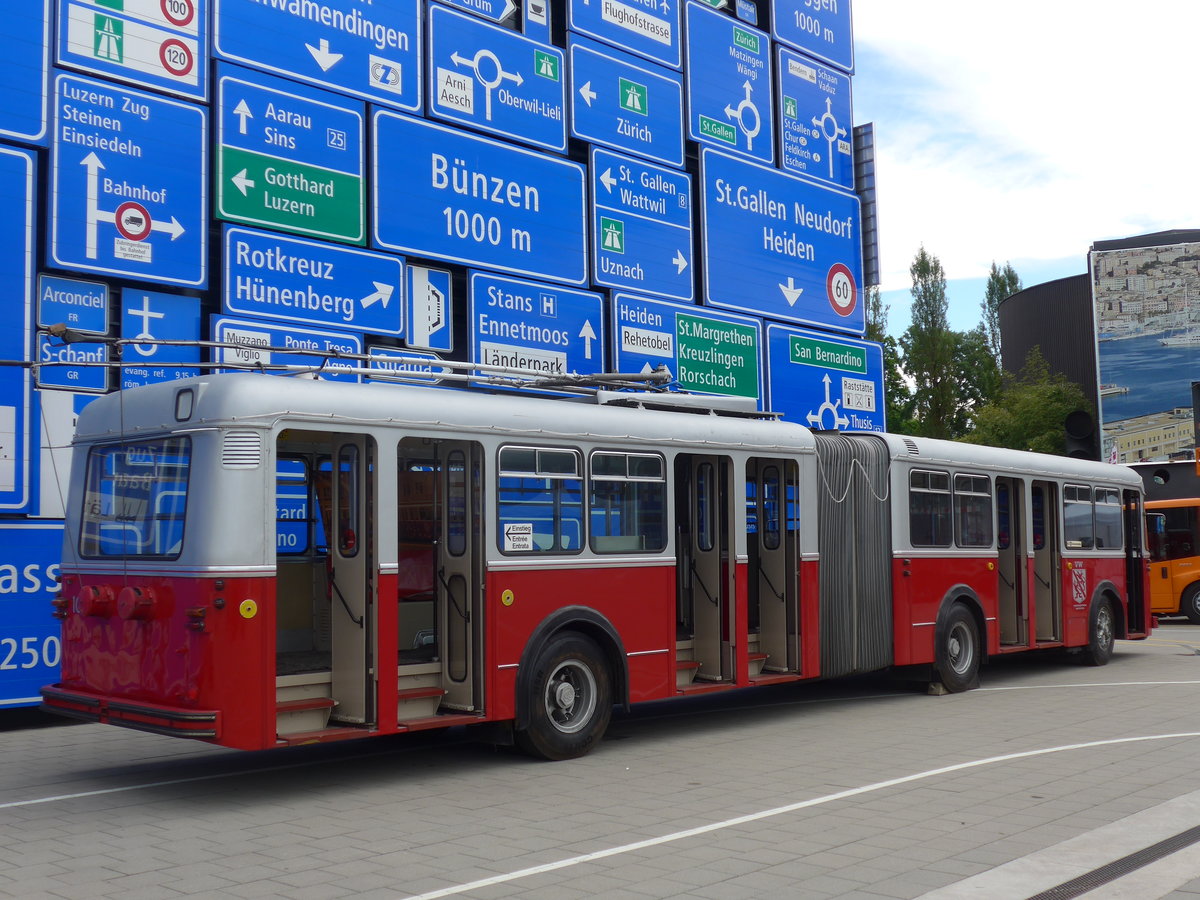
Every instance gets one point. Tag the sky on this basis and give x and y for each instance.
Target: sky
(1024, 131)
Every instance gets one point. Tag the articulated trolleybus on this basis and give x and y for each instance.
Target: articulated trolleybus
(262, 561)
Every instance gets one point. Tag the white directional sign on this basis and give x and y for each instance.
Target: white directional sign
(261, 343)
(129, 180)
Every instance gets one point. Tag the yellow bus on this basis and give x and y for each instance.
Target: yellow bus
(1173, 528)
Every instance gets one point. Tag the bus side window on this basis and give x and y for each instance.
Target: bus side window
(1156, 536)
(929, 513)
(539, 500)
(1078, 530)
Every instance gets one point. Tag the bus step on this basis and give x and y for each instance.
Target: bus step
(418, 702)
(757, 661)
(302, 714)
(685, 672)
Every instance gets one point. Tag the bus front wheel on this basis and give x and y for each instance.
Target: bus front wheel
(958, 650)
(570, 699)
(1102, 634)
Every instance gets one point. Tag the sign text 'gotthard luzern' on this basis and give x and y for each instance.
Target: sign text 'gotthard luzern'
(780, 246)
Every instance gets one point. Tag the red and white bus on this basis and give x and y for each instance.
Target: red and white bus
(261, 561)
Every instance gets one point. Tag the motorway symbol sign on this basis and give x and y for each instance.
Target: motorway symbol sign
(729, 84)
(301, 346)
(18, 246)
(827, 382)
(443, 193)
(820, 28)
(27, 61)
(80, 305)
(649, 28)
(641, 226)
(815, 120)
(618, 101)
(780, 246)
(153, 315)
(71, 367)
(129, 178)
(270, 276)
(430, 322)
(540, 327)
(290, 156)
(709, 352)
(496, 80)
(151, 43)
(371, 51)
(393, 365)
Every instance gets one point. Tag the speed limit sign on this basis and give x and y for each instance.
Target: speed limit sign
(841, 289)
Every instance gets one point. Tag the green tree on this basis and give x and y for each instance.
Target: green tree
(977, 376)
(898, 398)
(1030, 410)
(928, 347)
(1001, 284)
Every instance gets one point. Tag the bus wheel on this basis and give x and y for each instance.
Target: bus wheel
(1102, 634)
(570, 700)
(1190, 604)
(958, 651)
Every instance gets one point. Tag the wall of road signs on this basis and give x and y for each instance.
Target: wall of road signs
(565, 186)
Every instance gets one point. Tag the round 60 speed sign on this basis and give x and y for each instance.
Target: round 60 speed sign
(841, 289)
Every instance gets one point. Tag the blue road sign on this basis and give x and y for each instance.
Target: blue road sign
(270, 276)
(56, 413)
(618, 101)
(496, 80)
(815, 121)
(780, 246)
(729, 84)
(430, 321)
(708, 352)
(543, 327)
(30, 640)
(536, 20)
(641, 226)
(649, 28)
(18, 245)
(824, 381)
(393, 365)
(162, 45)
(747, 11)
(446, 194)
(821, 28)
(368, 50)
(253, 340)
(27, 63)
(153, 315)
(290, 156)
(71, 367)
(80, 305)
(129, 184)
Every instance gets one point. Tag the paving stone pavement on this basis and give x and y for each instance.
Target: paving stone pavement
(863, 788)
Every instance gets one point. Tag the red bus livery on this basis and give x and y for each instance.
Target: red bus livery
(263, 561)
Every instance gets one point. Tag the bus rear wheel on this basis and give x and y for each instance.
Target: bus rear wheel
(570, 699)
(958, 650)
(1189, 605)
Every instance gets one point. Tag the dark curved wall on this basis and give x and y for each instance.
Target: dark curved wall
(1056, 316)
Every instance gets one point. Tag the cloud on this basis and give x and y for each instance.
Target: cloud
(1026, 130)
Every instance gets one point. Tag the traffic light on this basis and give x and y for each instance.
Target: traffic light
(1080, 430)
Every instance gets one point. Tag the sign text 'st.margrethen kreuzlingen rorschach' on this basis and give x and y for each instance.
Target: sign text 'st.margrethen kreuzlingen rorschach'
(781, 239)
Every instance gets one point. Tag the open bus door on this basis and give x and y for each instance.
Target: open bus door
(772, 539)
(1011, 571)
(704, 566)
(459, 581)
(351, 580)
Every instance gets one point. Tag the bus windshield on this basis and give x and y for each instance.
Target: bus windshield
(135, 499)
